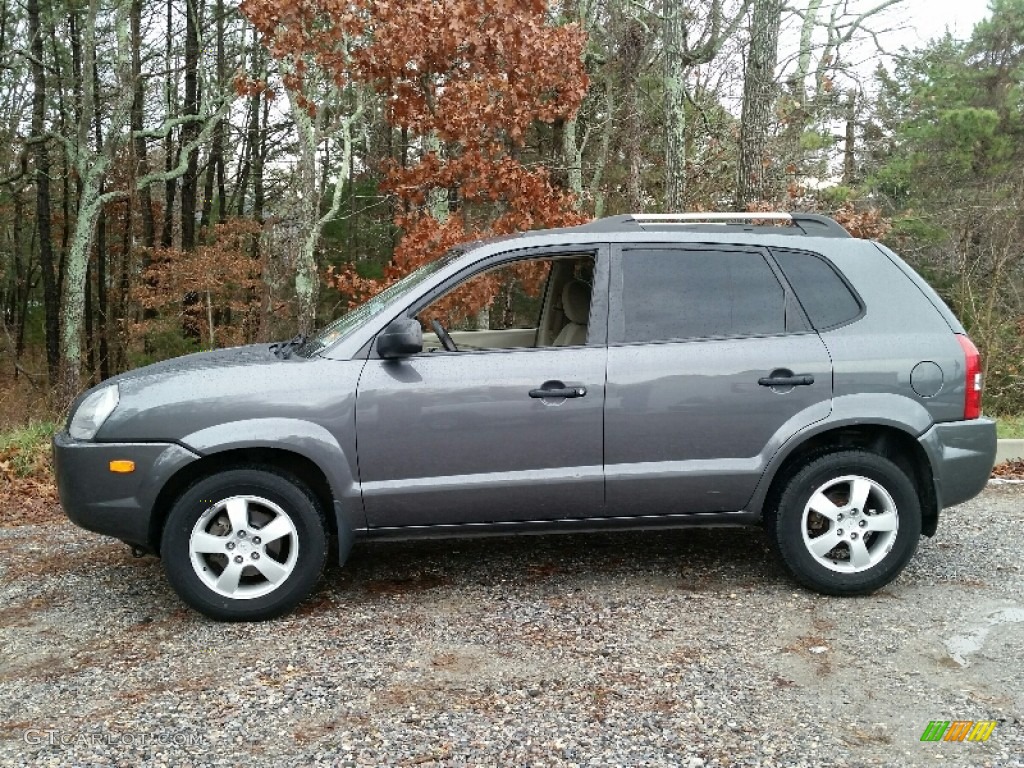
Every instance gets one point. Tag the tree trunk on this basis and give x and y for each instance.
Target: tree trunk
(90, 337)
(631, 54)
(124, 281)
(89, 180)
(437, 197)
(252, 133)
(849, 146)
(307, 279)
(73, 303)
(101, 250)
(261, 304)
(307, 276)
(170, 160)
(91, 169)
(215, 163)
(675, 107)
(190, 130)
(20, 283)
(596, 179)
(260, 150)
(237, 202)
(755, 180)
(51, 303)
(139, 144)
(572, 156)
(214, 168)
(66, 174)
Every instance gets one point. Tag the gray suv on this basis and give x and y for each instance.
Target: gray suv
(636, 372)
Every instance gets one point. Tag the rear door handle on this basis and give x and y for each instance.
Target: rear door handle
(559, 392)
(800, 380)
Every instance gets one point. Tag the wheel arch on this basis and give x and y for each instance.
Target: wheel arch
(300, 466)
(898, 445)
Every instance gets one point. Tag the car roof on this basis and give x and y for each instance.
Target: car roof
(771, 229)
(729, 223)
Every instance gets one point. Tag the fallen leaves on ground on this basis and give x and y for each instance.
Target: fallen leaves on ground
(26, 501)
(1009, 470)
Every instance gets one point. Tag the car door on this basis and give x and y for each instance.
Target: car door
(449, 438)
(711, 364)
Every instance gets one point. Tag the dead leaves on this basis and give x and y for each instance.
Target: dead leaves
(475, 76)
(1010, 470)
(868, 223)
(224, 271)
(26, 500)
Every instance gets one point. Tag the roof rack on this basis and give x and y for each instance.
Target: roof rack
(806, 223)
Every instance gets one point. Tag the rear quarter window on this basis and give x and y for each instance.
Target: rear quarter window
(676, 293)
(825, 296)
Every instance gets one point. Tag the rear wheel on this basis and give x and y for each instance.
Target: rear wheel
(245, 544)
(848, 523)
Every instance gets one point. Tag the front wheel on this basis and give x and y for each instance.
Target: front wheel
(848, 523)
(244, 544)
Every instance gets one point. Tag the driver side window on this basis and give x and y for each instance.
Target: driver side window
(538, 302)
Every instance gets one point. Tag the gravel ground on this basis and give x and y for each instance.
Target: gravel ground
(683, 648)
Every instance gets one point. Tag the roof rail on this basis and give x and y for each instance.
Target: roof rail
(810, 223)
(642, 218)
(807, 223)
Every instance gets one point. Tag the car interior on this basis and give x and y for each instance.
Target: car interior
(520, 311)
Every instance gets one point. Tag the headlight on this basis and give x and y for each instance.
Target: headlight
(93, 411)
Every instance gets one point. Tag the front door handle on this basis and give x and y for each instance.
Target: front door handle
(800, 380)
(558, 392)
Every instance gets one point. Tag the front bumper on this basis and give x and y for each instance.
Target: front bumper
(962, 454)
(118, 505)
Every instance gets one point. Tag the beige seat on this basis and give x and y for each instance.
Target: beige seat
(576, 306)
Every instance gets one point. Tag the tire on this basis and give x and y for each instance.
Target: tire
(861, 504)
(219, 563)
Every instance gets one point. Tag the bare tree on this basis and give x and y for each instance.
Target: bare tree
(189, 131)
(92, 166)
(51, 304)
(755, 181)
(325, 108)
(682, 52)
(811, 94)
(332, 123)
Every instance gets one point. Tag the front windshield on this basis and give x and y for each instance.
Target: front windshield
(343, 325)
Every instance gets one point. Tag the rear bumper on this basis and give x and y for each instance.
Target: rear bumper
(962, 454)
(118, 505)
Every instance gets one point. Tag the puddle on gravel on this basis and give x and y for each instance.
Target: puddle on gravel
(959, 647)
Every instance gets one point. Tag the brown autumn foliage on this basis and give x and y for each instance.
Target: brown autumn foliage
(488, 73)
(220, 281)
(866, 223)
(472, 76)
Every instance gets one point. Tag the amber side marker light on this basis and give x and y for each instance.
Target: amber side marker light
(122, 466)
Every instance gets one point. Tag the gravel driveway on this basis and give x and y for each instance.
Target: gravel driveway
(682, 648)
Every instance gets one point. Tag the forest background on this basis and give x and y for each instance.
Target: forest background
(178, 175)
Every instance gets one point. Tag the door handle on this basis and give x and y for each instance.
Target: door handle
(559, 392)
(800, 380)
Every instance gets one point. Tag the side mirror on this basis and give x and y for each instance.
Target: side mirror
(401, 338)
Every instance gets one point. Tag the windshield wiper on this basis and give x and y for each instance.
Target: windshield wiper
(285, 348)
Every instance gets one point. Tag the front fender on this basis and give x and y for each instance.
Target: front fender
(305, 438)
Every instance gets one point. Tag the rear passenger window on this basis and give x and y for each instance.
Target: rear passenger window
(683, 294)
(824, 296)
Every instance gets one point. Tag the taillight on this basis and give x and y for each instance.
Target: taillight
(972, 400)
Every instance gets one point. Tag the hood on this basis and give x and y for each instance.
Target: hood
(172, 399)
(252, 354)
